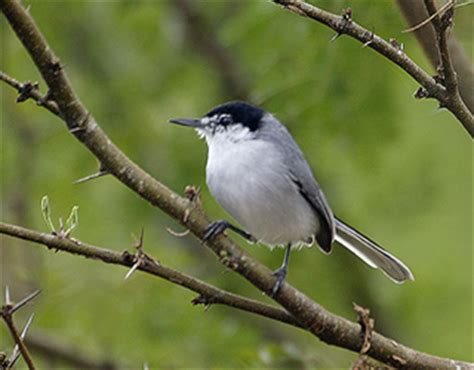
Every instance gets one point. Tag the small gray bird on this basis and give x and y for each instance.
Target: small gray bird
(258, 174)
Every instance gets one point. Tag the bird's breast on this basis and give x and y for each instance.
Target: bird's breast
(252, 183)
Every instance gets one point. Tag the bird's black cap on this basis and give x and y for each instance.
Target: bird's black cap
(241, 112)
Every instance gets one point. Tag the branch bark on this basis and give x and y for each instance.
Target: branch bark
(328, 327)
(431, 87)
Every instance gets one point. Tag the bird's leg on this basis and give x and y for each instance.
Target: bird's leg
(281, 272)
(218, 227)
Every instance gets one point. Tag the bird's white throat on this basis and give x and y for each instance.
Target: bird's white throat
(224, 135)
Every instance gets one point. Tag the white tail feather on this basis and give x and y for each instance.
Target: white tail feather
(371, 253)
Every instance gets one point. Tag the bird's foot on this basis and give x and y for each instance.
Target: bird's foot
(280, 275)
(215, 228)
(218, 227)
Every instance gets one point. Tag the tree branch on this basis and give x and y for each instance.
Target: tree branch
(431, 88)
(208, 294)
(328, 327)
(415, 13)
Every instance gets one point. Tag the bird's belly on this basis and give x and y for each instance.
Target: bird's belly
(263, 200)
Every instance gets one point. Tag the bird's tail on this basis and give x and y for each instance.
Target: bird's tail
(371, 253)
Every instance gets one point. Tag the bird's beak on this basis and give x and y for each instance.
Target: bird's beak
(189, 122)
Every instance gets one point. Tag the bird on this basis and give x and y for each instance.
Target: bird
(257, 172)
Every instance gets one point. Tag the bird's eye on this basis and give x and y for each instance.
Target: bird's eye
(225, 120)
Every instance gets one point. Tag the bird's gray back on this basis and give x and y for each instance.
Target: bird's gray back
(274, 132)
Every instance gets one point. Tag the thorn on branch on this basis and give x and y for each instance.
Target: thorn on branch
(371, 39)
(201, 299)
(139, 257)
(75, 129)
(24, 301)
(132, 270)
(100, 173)
(81, 126)
(16, 350)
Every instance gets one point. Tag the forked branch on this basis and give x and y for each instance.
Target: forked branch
(446, 94)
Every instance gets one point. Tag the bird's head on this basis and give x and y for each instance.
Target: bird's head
(233, 121)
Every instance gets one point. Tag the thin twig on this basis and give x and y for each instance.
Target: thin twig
(94, 176)
(30, 90)
(446, 6)
(341, 25)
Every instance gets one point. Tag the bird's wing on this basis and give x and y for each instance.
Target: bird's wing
(300, 173)
(313, 194)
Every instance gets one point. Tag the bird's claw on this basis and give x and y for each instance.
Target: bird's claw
(280, 275)
(215, 228)
(218, 227)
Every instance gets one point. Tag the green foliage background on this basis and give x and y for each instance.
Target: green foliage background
(397, 168)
